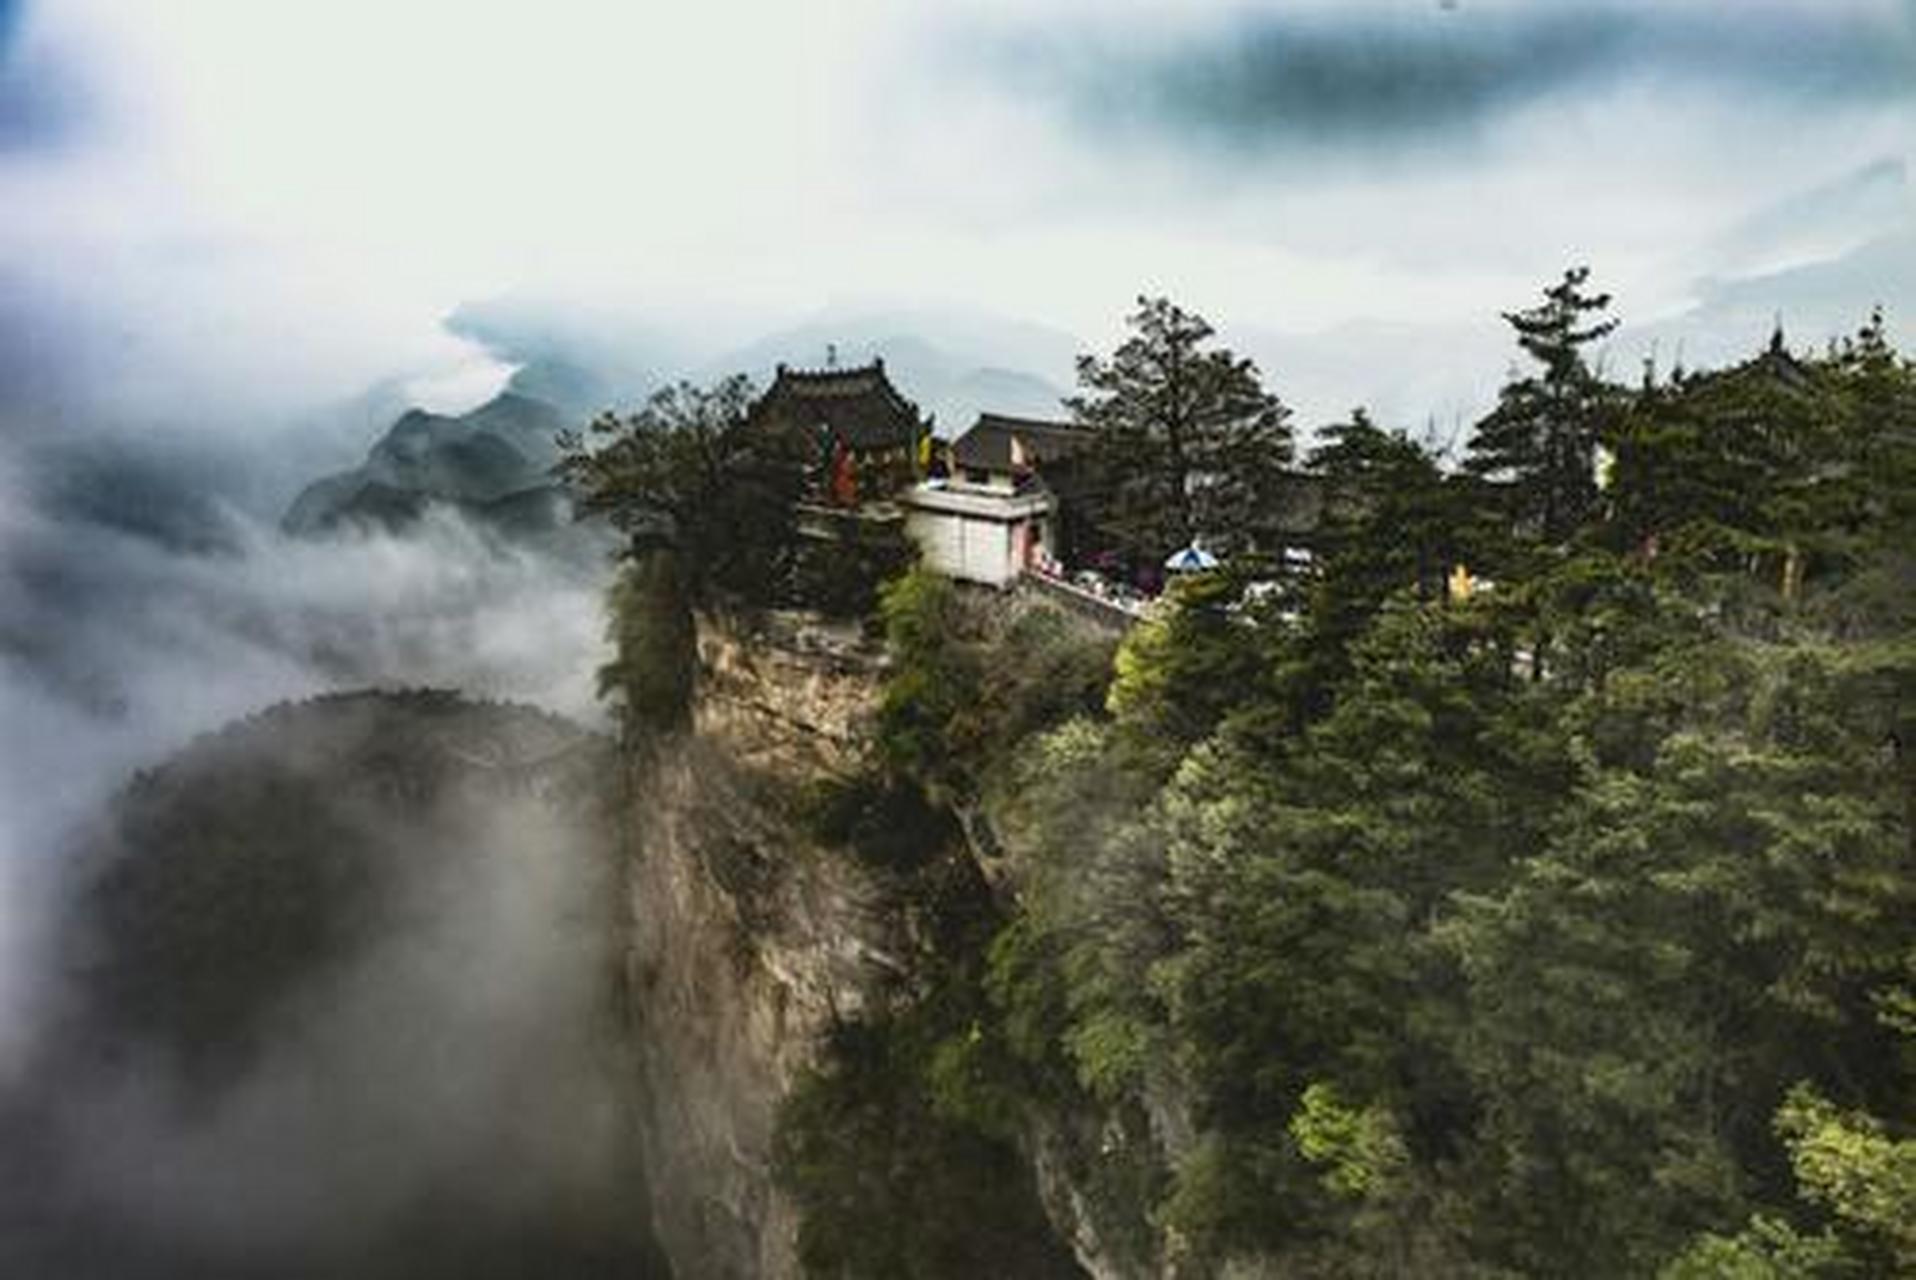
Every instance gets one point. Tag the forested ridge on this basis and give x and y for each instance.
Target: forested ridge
(343, 1001)
(1523, 889)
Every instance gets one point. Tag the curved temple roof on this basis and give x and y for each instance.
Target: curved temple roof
(988, 445)
(860, 405)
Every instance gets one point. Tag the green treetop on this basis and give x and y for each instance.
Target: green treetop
(706, 504)
(1190, 443)
(1539, 444)
(689, 475)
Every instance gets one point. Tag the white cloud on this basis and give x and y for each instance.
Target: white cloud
(361, 167)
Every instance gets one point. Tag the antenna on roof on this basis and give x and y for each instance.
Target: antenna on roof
(831, 355)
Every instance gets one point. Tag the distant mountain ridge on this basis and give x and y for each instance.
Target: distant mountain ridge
(955, 362)
(493, 463)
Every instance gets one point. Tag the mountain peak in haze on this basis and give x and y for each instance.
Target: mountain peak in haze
(493, 462)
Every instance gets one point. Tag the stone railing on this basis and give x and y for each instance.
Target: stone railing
(1113, 615)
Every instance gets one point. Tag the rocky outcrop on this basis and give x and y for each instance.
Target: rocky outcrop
(789, 693)
(747, 940)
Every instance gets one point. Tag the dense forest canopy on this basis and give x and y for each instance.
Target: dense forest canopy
(1525, 888)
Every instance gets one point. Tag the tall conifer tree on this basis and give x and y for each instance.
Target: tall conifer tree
(1539, 444)
(1191, 445)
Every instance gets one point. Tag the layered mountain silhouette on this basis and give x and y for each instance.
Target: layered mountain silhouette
(493, 464)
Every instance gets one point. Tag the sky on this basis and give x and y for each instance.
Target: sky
(275, 199)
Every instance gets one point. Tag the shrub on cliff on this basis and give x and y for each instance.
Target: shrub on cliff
(974, 676)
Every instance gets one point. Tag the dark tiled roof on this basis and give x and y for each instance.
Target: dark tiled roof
(860, 405)
(1775, 364)
(987, 446)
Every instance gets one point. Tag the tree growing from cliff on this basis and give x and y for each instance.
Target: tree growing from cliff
(707, 508)
(688, 475)
(1190, 444)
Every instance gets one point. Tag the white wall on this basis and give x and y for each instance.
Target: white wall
(967, 548)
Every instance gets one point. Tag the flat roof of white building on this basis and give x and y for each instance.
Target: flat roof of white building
(979, 503)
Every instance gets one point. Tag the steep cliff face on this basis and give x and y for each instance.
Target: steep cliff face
(751, 938)
(747, 939)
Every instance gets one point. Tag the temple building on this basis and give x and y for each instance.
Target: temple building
(865, 436)
(1002, 505)
(860, 443)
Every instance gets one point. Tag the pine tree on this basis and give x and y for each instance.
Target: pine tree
(1190, 443)
(1388, 525)
(1388, 514)
(1538, 446)
(1871, 499)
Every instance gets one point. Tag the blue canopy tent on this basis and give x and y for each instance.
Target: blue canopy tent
(1192, 559)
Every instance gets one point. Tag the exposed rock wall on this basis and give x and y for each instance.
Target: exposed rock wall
(789, 693)
(746, 940)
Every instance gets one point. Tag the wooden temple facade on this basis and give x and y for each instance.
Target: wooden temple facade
(864, 436)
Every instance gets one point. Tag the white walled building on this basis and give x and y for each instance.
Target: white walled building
(978, 534)
(993, 516)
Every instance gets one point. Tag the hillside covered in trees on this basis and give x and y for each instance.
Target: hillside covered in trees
(1525, 889)
(340, 999)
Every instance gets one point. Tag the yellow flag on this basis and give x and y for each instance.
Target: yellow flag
(924, 453)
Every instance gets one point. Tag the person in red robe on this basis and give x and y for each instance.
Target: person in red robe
(844, 476)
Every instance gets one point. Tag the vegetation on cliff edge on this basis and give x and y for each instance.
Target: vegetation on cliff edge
(1400, 922)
